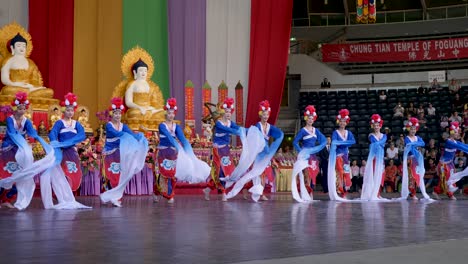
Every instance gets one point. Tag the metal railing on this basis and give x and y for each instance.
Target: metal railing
(383, 17)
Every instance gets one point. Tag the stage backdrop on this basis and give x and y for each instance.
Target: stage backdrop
(78, 46)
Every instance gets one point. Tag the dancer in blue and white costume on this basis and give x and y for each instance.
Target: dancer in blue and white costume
(132, 147)
(261, 166)
(313, 141)
(413, 164)
(339, 181)
(446, 162)
(64, 135)
(373, 174)
(176, 160)
(17, 163)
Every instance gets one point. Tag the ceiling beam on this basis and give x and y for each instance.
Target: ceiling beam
(424, 7)
(346, 11)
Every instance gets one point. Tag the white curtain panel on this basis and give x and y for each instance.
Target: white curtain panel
(227, 45)
(14, 10)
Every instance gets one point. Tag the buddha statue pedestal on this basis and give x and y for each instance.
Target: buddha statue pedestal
(144, 123)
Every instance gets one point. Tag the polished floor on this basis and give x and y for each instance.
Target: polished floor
(197, 231)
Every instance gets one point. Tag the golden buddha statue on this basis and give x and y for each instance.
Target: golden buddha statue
(54, 115)
(83, 118)
(143, 97)
(18, 72)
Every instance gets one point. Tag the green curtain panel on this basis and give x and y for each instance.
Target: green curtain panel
(145, 24)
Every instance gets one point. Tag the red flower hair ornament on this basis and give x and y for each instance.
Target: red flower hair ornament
(21, 98)
(343, 114)
(117, 104)
(375, 118)
(264, 106)
(70, 101)
(454, 127)
(171, 104)
(310, 111)
(413, 122)
(228, 104)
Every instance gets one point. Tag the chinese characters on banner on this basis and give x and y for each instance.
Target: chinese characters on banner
(407, 51)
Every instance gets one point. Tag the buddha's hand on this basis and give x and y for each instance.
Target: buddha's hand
(154, 110)
(142, 109)
(36, 88)
(25, 85)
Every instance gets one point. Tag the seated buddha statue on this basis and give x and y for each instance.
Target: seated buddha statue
(83, 119)
(18, 72)
(54, 117)
(142, 97)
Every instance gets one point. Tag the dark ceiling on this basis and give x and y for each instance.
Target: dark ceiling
(302, 7)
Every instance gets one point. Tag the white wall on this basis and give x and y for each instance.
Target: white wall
(312, 73)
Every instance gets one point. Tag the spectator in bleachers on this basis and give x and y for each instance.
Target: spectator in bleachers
(408, 117)
(382, 96)
(455, 117)
(355, 177)
(430, 110)
(362, 170)
(398, 110)
(392, 152)
(433, 154)
(422, 120)
(430, 174)
(420, 109)
(410, 109)
(435, 86)
(400, 145)
(391, 173)
(460, 156)
(460, 166)
(430, 147)
(457, 104)
(444, 122)
(325, 83)
(454, 87)
(422, 89)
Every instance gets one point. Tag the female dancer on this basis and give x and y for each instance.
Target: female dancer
(222, 160)
(413, 163)
(261, 169)
(308, 136)
(375, 165)
(125, 154)
(338, 165)
(446, 167)
(176, 162)
(16, 158)
(65, 174)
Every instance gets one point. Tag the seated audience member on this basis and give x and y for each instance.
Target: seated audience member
(325, 83)
(410, 110)
(398, 110)
(422, 89)
(453, 86)
(455, 117)
(444, 122)
(391, 172)
(430, 110)
(382, 96)
(356, 178)
(420, 109)
(431, 173)
(392, 152)
(435, 86)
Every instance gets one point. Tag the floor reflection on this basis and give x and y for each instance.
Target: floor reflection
(226, 232)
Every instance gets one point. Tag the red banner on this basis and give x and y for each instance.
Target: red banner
(407, 51)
